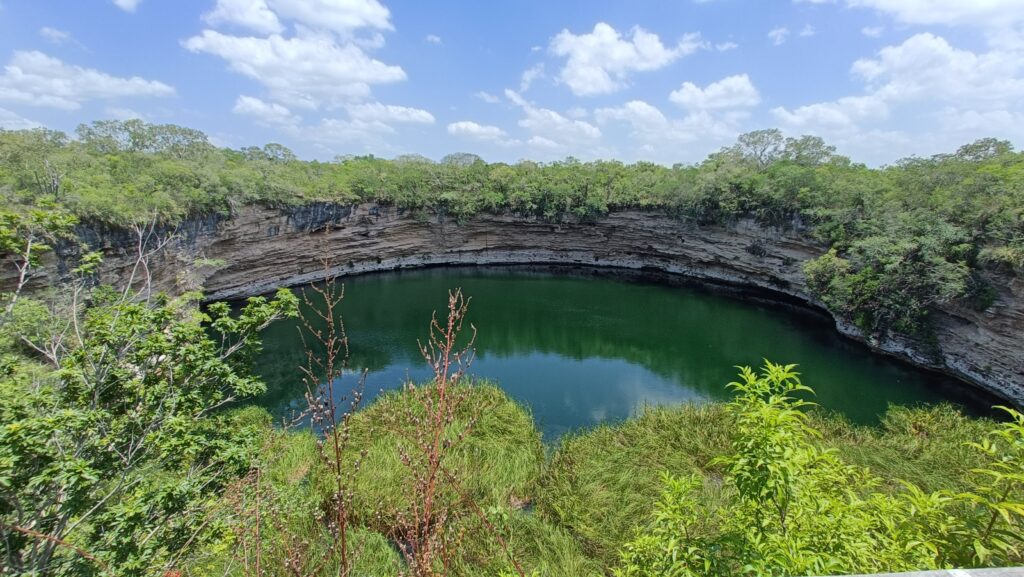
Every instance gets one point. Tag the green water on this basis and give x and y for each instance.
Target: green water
(582, 350)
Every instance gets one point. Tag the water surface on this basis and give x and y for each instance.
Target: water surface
(581, 350)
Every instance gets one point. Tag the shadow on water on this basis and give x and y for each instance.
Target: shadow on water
(590, 346)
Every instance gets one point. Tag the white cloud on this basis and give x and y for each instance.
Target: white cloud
(265, 113)
(778, 35)
(872, 31)
(35, 79)
(926, 66)
(577, 112)
(252, 14)
(487, 97)
(387, 113)
(926, 92)
(551, 129)
(342, 16)
(335, 131)
(53, 35)
(639, 114)
(951, 12)
(127, 5)
(671, 140)
(322, 62)
(303, 71)
(975, 122)
(433, 39)
(839, 116)
(121, 113)
(735, 91)
(807, 30)
(11, 121)
(541, 142)
(474, 130)
(724, 46)
(481, 132)
(265, 16)
(529, 75)
(601, 61)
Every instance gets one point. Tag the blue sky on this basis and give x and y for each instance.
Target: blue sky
(666, 81)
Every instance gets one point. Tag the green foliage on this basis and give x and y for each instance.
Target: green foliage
(500, 458)
(600, 483)
(919, 229)
(796, 508)
(118, 450)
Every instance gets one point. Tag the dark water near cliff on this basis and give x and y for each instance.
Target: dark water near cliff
(582, 350)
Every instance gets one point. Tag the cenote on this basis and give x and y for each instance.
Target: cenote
(592, 347)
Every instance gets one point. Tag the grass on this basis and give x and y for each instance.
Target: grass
(588, 497)
(499, 460)
(601, 484)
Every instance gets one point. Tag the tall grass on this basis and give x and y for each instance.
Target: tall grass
(569, 514)
(600, 485)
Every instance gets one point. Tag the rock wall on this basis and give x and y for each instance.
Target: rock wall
(259, 249)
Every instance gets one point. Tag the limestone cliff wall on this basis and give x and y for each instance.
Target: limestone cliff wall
(259, 249)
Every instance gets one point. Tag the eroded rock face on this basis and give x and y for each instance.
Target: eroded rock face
(259, 249)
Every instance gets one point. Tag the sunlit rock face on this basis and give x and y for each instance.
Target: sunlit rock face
(258, 249)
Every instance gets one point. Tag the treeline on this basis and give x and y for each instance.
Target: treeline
(907, 237)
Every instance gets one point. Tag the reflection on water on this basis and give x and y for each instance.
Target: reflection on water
(584, 350)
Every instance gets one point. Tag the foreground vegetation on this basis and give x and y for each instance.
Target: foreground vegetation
(752, 487)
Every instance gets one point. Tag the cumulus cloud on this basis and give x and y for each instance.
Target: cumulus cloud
(265, 113)
(639, 114)
(926, 66)
(265, 16)
(944, 95)
(671, 140)
(127, 5)
(487, 97)
(11, 121)
(552, 131)
(306, 53)
(601, 61)
(254, 15)
(529, 75)
(778, 35)
(36, 79)
(342, 16)
(377, 112)
(730, 92)
(433, 39)
(53, 35)
(872, 31)
(330, 132)
(724, 46)
(474, 130)
(951, 12)
(836, 117)
(304, 71)
(481, 132)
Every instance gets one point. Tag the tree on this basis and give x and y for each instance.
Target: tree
(109, 459)
(24, 237)
(808, 151)
(762, 147)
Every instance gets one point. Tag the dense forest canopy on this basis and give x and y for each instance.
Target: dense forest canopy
(906, 237)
